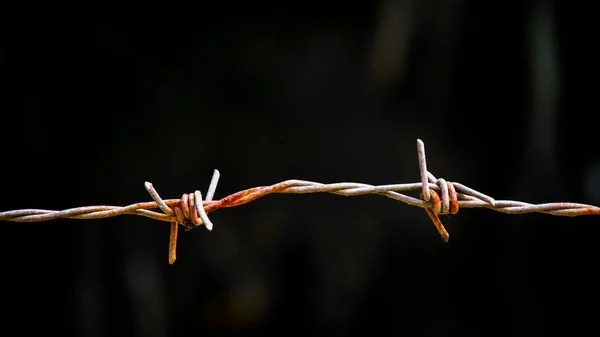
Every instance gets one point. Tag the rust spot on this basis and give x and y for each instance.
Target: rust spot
(246, 196)
(453, 198)
(434, 200)
(438, 224)
(235, 198)
(179, 214)
(587, 210)
(173, 242)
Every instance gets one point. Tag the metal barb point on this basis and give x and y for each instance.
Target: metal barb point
(157, 198)
(210, 193)
(423, 169)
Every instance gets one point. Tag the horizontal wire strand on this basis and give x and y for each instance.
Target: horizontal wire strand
(305, 187)
(437, 196)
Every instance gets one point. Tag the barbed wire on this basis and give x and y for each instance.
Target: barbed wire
(437, 197)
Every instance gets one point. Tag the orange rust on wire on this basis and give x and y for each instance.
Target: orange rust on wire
(173, 242)
(186, 212)
(453, 198)
(245, 196)
(433, 212)
(435, 201)
(577, 211)
(438, 224)
(179, 214)
(587, 210)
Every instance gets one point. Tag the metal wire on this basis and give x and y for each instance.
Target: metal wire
(437, 196)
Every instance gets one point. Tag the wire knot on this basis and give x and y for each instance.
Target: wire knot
(447, 203)
(189, 211)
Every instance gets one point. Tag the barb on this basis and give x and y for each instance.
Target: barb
(437, 197)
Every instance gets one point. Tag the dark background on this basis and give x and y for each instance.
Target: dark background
(97, 102)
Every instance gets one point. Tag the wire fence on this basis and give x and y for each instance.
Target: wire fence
(437, 196)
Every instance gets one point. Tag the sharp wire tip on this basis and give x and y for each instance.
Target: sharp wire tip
(212, 187)
(446, 237)
(423, 169)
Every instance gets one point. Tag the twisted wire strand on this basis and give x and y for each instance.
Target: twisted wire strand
(303, 187)
(437, 196)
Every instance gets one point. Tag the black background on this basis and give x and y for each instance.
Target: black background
(97, 101)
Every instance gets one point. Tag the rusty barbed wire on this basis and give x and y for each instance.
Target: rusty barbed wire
(437, 197)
